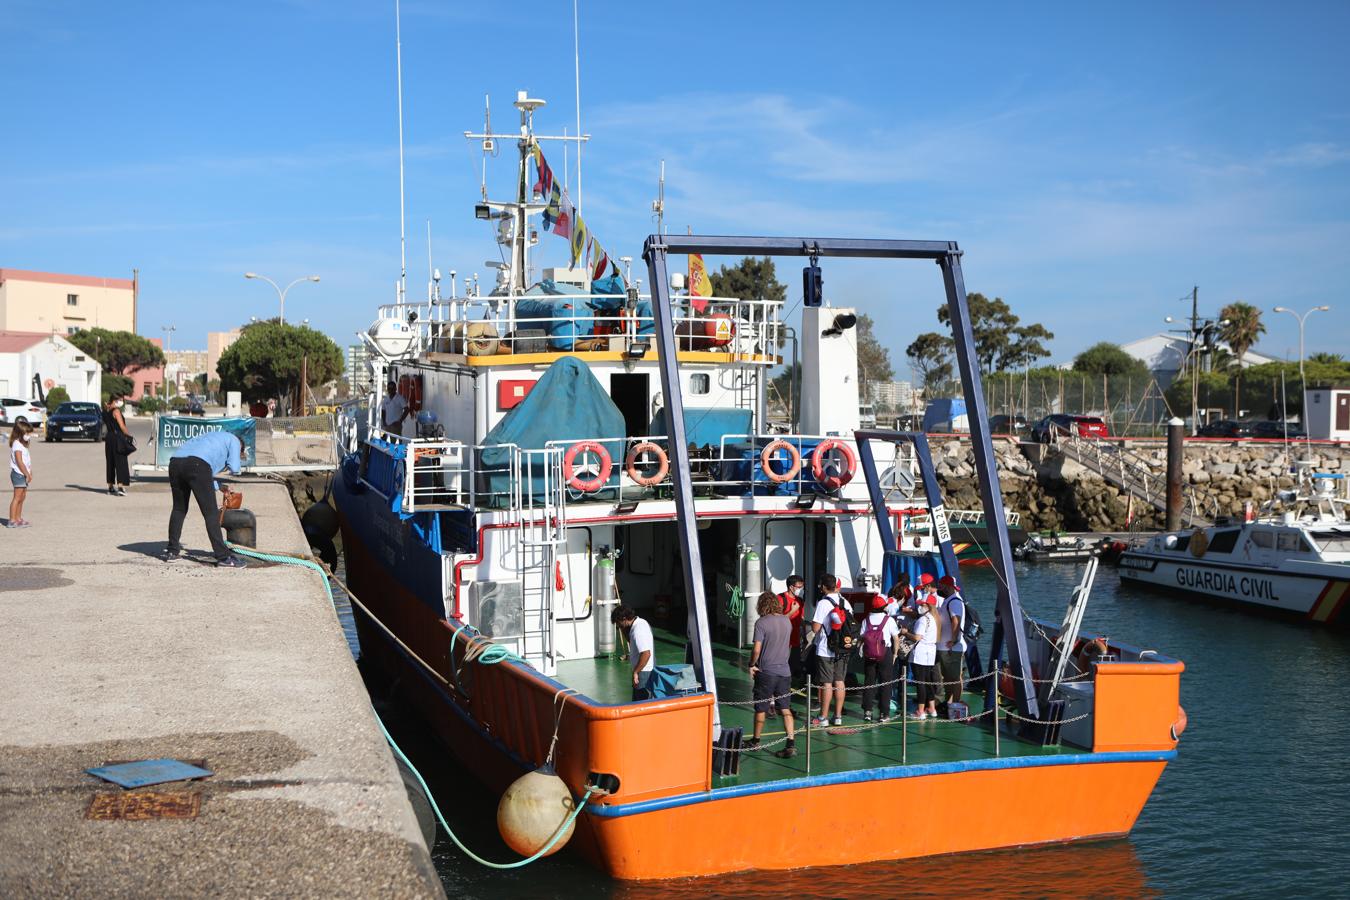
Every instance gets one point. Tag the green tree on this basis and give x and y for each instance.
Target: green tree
(267, 358)
(1001, 341)
(1106, 358)
(930, 357)
(118, 351)
(749, 279)
(1242, 327)
(781, 387)
(55, 397)
(1327, 359)
(115, 386)
(874, 360)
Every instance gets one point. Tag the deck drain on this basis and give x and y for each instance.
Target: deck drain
(137, 806)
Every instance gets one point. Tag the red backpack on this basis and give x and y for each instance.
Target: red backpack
(874, 639)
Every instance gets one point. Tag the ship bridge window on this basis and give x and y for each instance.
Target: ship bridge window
(1332, 541)
(1263, 539)
(1178, 542)
(1292, 541)
(700, 383)
(1223, 541)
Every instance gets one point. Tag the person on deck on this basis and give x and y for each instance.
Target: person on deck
(641, 648)
(924, 658)
(951, 648)
(831, 668)
(770, 670)
(794, 608)
(880, 641)
(192, 473)
(393, 410)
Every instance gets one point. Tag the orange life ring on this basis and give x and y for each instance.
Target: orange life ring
(574, 479)
(662, 464)
(766, 456)
(833, 482)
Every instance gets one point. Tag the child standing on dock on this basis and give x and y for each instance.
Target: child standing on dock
(20, 472)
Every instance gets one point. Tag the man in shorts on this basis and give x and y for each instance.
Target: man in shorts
(831, 669)
(769, 667)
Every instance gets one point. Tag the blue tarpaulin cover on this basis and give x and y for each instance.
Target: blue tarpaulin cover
(148, 771)
(940, 414)
(913, 565)
(704, 425)
(566, 404)
(570, 313)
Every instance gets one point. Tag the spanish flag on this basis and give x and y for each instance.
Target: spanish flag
(699, 285)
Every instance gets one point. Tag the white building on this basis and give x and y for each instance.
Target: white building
(1326, 414)
(49, 301)
(51, 358)
(896, 395)
(1165, 355)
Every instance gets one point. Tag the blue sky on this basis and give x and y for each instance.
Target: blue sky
(1093, 164)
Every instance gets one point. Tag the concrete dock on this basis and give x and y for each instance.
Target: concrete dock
(113, 655)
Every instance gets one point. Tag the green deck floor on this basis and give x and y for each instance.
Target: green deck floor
(609, 680)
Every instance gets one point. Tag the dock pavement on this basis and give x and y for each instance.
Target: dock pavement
(112, 655)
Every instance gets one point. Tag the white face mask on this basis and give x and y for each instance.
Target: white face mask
(796, 592)
(117, 404)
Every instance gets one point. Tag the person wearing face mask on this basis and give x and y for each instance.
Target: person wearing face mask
(20, 471)
(115, 438)
(794, 609)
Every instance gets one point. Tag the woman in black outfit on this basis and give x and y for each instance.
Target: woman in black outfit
(114, 431)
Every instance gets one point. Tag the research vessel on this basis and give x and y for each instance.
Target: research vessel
(575, 442)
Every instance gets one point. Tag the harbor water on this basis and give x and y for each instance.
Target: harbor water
(1258, 796)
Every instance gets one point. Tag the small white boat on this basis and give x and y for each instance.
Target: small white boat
(1056, 548)
(1295, 559)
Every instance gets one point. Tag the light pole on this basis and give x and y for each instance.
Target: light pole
(1196, 332)
(281, 292)
(168, 336)
(1302, 379)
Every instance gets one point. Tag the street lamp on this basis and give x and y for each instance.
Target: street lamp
(1196, 333)
(1302, 379)
(168, 335)
(281, 292)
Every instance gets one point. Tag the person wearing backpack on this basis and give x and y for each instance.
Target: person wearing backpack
(880, 639)
(951, 647)
(972, 628)
(834, 635)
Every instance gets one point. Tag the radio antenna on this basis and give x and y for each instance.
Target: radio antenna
(402, 211)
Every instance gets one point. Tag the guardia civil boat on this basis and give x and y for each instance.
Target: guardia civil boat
(575, 443)
(1294, 559)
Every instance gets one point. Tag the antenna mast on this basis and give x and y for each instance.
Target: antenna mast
(576, 59)
(402, 215)
(659, 204)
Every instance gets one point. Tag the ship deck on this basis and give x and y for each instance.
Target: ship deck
(609, 681)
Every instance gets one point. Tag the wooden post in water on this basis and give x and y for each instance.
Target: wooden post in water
(1175, 432)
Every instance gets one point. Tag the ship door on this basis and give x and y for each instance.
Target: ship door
(630, 393)
(784, 552)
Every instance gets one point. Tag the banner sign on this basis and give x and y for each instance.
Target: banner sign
(172, 432)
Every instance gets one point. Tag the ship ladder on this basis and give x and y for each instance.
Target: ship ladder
(1073, 622)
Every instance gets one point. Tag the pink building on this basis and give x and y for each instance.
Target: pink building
(147, 381)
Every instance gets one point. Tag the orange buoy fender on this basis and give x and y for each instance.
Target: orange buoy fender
(833, 481)
(1180, 724)
(766, 456)
(662, 464)
(574, 479)
(532, 810)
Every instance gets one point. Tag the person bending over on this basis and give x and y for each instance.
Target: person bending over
(192, 472)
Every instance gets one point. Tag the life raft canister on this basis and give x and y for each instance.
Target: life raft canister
(662, 464)
(574, 478)
(834, 480)
(767, 454)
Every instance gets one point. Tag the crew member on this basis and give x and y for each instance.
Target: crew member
(192, 472)
(393, 410)
(641, 648)
(794, 608)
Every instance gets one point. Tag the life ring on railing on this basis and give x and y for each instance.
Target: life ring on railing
(766, 456)
(662, 464)
(833, 481)
(573, 477)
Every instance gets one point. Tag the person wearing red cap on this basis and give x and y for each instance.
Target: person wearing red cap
(924, 633)
(951, 646)
(880, 646)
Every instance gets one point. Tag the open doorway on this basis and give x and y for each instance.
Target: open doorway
(630, 393)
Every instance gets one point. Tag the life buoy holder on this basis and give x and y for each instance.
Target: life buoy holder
(766, 456)
(574, 478)
(630, 464)
(833, 481)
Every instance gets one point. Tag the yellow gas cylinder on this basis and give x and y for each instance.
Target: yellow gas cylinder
(531, 811)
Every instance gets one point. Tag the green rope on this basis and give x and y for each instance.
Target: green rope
(487, 657)
(735, 602)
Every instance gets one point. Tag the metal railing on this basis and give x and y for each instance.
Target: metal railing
(1129, 472)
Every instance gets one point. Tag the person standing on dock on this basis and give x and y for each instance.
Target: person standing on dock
(951, 648)
(880, 647)
(770, 670)
(393, 410)
(192, 472)
(641, 648)
(20, 472)
(833, 631)
(116, 440)
(923, 660)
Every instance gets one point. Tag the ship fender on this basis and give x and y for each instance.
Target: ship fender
(833, 480)
(1179, 725)
(767, 454)
(533, 809)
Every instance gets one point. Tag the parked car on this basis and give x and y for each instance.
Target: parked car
(1226, 428)
(1007, 424)
(32, 410)
(195, 408)
(75, 420)
(1277, 430)
(1061, 424)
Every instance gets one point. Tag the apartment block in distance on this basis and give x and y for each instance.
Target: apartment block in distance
(49, 302)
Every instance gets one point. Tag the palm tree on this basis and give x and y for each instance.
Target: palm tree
(1243, 326)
